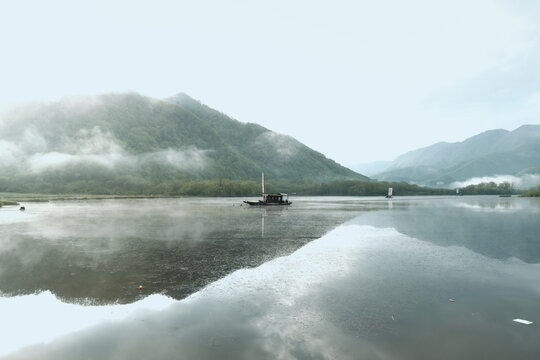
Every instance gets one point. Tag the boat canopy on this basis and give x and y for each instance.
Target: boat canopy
(278, 197)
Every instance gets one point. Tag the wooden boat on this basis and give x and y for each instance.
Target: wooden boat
(270, 199)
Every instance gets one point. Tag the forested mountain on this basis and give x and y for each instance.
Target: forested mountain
(280, 156)
(494, 152)
(129, 143)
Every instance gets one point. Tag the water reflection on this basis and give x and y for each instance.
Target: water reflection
(262, 283)
(101, 251)
(42, 317)
(500, 228)
(358, 292)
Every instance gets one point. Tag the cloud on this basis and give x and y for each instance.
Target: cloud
(89, 146)
(522, 182)
(284, 145)
(94, 141)
(10, 153)
(31, 152)
(32, 141)
(185, 159)
(51, 160)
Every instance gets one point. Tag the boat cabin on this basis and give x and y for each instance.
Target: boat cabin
(275, 198)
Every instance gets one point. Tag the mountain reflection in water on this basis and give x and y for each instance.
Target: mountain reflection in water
(101, 251)
(500, 228)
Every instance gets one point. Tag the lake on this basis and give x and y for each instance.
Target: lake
(326, 278)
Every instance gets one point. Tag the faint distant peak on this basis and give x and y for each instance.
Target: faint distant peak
(527, 128)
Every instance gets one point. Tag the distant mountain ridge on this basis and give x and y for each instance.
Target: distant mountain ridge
(494, 152)
(88, 143)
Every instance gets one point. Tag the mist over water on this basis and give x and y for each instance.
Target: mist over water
(328, 278)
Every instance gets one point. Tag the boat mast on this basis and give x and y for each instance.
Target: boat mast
(262, 182)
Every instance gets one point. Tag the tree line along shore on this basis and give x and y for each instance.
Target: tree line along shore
(238, 188)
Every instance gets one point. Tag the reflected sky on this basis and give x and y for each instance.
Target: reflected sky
(42, 317)
(357, 292)
(497, 227)
(376, 287)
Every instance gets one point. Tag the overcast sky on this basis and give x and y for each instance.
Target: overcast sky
(356, 80)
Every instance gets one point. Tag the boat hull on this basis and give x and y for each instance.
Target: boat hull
(262, 203)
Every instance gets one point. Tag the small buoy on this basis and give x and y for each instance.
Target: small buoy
(452, 300)
(140, 287)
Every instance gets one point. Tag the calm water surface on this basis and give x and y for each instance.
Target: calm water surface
(326, 278)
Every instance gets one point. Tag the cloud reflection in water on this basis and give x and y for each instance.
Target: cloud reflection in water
(357, 292)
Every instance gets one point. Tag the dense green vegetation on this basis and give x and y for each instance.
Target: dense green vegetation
(230, 188)
(134, 145)
(535, 192)
(490, 188)
(119, 138)
(240, 188)
(130, 186)
(369, 188)
(280, 156)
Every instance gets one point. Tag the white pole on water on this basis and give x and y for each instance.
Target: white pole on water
(262, 182)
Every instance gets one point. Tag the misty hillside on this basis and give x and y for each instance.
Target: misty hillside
(494, 152)
(281, 156)
(110, 143)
